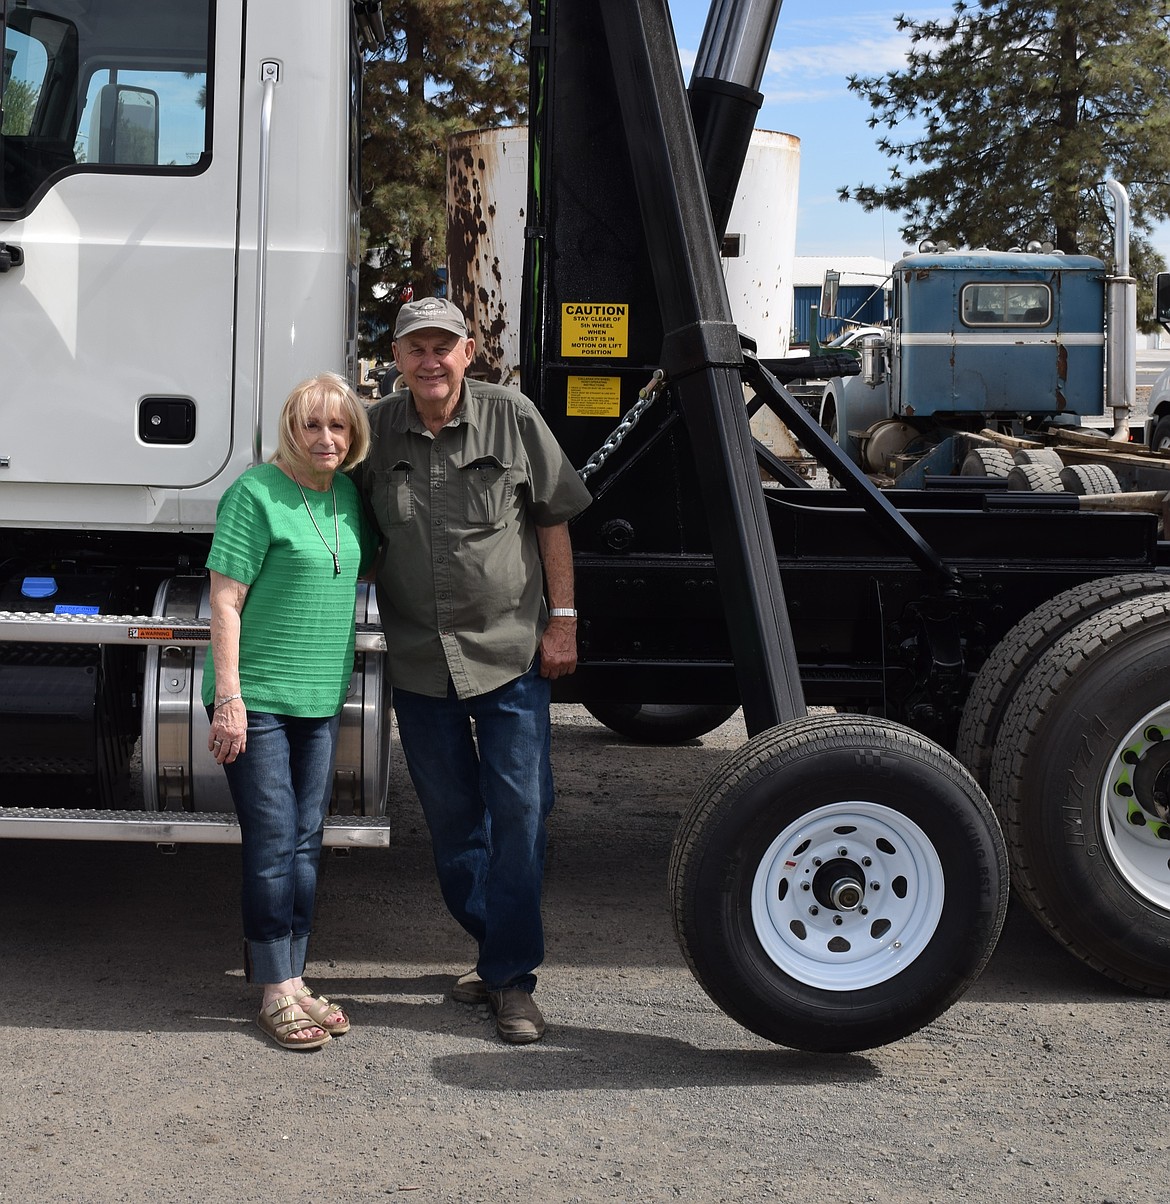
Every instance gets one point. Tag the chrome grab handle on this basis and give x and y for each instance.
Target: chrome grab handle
(269, 77)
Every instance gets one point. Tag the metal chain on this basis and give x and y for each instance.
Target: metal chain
(629, 420)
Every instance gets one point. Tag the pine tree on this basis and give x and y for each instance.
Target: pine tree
(448, 66)
(1018, 110)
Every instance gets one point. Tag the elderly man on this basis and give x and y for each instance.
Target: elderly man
(473, 495)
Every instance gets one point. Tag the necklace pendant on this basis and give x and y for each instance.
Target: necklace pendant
(336, 564)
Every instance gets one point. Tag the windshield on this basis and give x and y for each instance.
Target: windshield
(107, 85)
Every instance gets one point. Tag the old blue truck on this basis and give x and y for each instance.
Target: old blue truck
(1027, 343)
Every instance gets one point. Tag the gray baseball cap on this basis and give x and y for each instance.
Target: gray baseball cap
(430, 313)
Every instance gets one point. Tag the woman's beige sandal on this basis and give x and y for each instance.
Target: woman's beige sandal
(320, 1010)
(285, 1016)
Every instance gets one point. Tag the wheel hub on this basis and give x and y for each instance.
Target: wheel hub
(840, 885)
(846, 896)
(1135, 804)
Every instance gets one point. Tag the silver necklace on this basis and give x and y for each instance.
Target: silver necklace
(335, 551)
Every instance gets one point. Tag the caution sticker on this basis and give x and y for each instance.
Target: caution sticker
(595, 330)
(594, 397)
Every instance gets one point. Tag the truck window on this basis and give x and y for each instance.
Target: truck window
(1006, 304)
(113, 85)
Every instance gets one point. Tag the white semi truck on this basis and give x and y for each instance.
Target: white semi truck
(179, 228)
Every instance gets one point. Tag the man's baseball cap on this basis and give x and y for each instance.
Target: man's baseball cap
(430, 313)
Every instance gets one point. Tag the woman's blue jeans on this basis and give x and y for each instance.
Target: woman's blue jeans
(486, 808)
(281, 788)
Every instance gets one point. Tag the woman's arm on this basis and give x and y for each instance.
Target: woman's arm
(229, 722)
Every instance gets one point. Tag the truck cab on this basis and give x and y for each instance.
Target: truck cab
(976, 337)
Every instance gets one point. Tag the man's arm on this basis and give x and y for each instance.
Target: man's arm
(558, 645)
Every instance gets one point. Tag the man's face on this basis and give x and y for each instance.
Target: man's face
(433, 363)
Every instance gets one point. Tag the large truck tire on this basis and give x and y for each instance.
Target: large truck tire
(987, 462)
(1035, 478)
(1081, 772)
(838, 883)
(1160, 439)
(1000, 675)
(1038, 455)
(1084, 479)
(661, 722)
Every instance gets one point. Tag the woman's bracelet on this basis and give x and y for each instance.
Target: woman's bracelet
(222, 702)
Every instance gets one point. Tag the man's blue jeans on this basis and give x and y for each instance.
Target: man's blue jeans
(486, 810)
(281, 788)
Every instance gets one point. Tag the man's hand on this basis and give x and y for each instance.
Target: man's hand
(558, 648)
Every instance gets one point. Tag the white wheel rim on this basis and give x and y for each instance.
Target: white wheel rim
(1136, 838)
(899, 896)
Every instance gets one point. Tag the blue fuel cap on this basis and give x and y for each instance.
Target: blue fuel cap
(38, 587)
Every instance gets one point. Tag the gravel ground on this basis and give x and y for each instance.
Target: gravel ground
(132, 1069)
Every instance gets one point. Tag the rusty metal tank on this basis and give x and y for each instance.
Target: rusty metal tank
(487, 193)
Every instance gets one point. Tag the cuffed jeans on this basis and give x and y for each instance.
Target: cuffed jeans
(281, 787)
(486, 810)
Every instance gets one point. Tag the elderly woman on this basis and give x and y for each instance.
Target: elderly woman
(290, 543)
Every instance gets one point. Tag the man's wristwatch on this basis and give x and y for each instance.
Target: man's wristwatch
(562, 612)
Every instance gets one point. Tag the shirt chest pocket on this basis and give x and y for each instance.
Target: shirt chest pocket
(487, 491)
(391, 496)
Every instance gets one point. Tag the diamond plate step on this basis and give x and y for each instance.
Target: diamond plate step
(171, 827)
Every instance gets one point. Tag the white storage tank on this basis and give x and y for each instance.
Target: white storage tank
(487, 194)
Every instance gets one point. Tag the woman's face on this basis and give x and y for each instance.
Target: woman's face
(324, 438)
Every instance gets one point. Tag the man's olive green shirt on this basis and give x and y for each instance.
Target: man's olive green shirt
(460, 580)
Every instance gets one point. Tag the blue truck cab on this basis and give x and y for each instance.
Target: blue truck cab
(975, 337)
(998, 333)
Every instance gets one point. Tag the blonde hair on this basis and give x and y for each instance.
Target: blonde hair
(333, 395)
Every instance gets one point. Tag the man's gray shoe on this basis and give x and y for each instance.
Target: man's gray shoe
(518, 1019)
(469, 988)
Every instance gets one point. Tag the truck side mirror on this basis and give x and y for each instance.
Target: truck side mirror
(126, 124)
(1162, 297)
(829, 289)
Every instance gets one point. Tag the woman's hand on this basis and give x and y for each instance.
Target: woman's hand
(229, 731)
(229, 722)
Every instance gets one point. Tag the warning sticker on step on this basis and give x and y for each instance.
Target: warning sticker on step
(594, 397)
(595, 330)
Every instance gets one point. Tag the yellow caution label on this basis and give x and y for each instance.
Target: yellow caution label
(592, 329)
(594, 397)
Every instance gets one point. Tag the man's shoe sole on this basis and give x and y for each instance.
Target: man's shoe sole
(519, 1038)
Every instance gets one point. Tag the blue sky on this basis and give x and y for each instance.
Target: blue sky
(816, 47)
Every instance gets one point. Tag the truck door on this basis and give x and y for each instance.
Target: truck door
(118, 201)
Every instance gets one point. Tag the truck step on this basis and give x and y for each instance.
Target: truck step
(171, 827)
(37, 628)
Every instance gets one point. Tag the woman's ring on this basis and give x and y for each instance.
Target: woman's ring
(217, 743)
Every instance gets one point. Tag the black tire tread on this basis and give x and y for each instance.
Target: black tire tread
(1083, 479)
(1035, 478)
(987, 462)
(1016, 653)
(627, 720)
(1094, 638)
